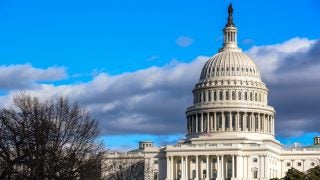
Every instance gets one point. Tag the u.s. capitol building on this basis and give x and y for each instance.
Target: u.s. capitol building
(231, 127)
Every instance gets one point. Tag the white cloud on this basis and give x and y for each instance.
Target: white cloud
(184, 41)
(154, 100)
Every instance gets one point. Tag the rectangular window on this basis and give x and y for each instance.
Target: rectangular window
(255, 174)
(155, 175)
(288, 164)
(255, 160)
(299, 163)
(155, 162)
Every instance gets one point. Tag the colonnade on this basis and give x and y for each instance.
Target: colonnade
(230, 121)
(217, 167)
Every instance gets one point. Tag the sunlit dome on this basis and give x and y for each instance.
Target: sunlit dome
(229, 63)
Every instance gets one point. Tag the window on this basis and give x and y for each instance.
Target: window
(193, 174)
(220, 95)
(245, 96)
(214, 96)
(204, 96)
(227, 121)
(204, 172)
(313, 164)
(155, 162)
(255, 97)
(233, 95)
(209, 96)
(288, 164)
(233, 121)
(259, 97)
(155, 175)
(227, 95)
(255, 174)
(241, 121)
(239, 95)
(255, 160)
(251, 96)
(299, 163)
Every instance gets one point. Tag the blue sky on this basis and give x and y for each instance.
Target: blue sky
(86, 42)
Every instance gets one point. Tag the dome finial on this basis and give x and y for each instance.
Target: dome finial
(230, 18)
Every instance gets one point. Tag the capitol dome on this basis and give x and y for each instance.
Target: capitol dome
(230, 98)
(229, 63)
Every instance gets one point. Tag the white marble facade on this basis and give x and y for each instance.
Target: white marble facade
(231, 129)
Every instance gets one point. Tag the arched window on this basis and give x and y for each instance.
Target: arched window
(220, 95)
(233, 95)
(239, 95)
(214, 95)
(204, 96)
(245, 96)
(227, 95)
(255, 97)
(251, 96)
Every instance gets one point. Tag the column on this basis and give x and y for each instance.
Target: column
(218, 169)
(245, 171)
(182, 167)
(197, 119)
(215, 121)
(223, 121)
(197, 167)
(193, 124)
(208, 122)
(249, 167)
(187, 168)
(259, 123)
(201, 122)
(266, 167)
(272, 127)
(211, 121)
(208, 165)
(233, 167)
(168, 167)
(245, 121)
(252, 121)
(237, 121)
(230, 121)
(172, 168)
(222, 167)
(239, 167)
(260, 167)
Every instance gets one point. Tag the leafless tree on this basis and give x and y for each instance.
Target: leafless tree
(48, 139)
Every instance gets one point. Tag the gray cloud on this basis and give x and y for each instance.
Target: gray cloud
(293, 77)
(21, 76)
(154, 100)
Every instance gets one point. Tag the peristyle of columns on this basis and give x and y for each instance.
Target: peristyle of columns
(206, 167)
(201, 122)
